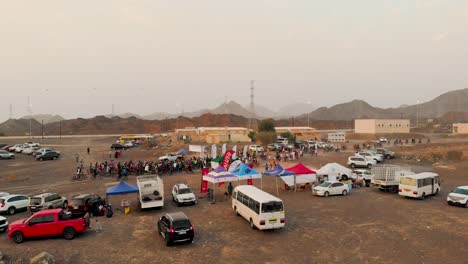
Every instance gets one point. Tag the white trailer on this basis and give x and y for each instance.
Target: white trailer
(150, 191)
(387, 177)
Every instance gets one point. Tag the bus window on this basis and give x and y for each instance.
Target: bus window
(271, 207)
(408, 181)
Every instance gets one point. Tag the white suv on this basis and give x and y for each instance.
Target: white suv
(256, 148)
(182, 194)
(371, 155)
(459, 196)
(13, 203)
(358, 161)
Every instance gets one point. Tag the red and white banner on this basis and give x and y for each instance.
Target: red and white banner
(227, 159)
(204, 184)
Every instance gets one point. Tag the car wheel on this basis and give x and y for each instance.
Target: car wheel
(65, 205)
(326, 194)
(369, 166)
(54, 158)
(423, 196)
(178, 204)
(436, 192)
(252, 224)
(235, 209)
(168, 241)
(41, 159)
(344, 177)
(345, 192)
(466, 205)
(11, 210)
(69, 233)
(353, 165)
(18, 237)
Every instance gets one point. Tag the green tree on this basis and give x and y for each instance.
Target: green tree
(266, 137)
(266, 125)
(291, 138)
(253, 136)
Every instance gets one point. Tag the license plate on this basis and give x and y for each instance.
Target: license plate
(33, 207)
(182, 232)
(407, 190)
(272, 219)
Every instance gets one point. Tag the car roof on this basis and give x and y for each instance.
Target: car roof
(10, 196)
(182, 185)
(463, 187)
(177, 216)
(81, 196)
(334, 182)
(261, 196)
(48, 211)
(42, 195)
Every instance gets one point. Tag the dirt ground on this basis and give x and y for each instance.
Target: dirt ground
(368, 226)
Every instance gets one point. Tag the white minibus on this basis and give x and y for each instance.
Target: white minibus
(419, 185)
(261, 209)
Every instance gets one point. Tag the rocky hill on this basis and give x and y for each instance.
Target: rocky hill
(46, 118)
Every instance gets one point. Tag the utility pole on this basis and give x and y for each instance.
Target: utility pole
(29, 110)
(252, 104)
(42, 128)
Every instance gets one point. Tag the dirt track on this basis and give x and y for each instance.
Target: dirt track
(367, 226)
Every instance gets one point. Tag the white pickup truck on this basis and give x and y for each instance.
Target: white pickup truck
(387, 177)
(150, 191)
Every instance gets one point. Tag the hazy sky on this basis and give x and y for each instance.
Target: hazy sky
(76, 58)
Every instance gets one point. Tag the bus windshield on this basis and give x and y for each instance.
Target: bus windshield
(408, 181)
(271, 207)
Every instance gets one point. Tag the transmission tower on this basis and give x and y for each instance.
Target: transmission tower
(11, 111)
(29, 111)
(252, 105)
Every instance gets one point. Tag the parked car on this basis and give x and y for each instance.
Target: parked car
(2, 145)
(30, 150)
(21, 148)
(3, 224)
(13, 148)
(358, 161)
(117, 146)
(459, 196)
(87, 203)
(365, 175)
(54, 222)
(128, 144)
(13, 203)
(47, 201)
(6, 155)
(371, 155)
(182, 194)
(274, 146)
(170, 157)
(43, 150)
(52, 155)
(386, 153)
(383, 140)
(3, 194)
(6, 147)
(176, 227)
(331, 188)
(256, 148)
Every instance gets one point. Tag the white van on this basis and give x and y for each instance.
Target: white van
(419, 185)
(261, 209)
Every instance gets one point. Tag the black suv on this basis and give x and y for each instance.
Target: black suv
(176, 227)
(117, 146)
(52, 155)
(87, 203)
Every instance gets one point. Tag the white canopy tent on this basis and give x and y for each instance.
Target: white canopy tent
(333, 170)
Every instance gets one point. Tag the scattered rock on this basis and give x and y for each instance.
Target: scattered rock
(43, 258)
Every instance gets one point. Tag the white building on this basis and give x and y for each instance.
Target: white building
(339, 136)
(381, 126)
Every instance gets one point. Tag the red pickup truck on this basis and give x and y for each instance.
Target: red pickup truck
(54, 222)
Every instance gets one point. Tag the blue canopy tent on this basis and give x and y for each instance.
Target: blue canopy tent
(182, 152)
(120, 189)
(278, 171)
(244, 172)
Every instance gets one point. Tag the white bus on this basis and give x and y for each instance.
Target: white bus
(261, 209)
(419, 185)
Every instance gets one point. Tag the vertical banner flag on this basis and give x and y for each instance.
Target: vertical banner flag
(235, 152)
(227, 159)
(223, 149)
(204, 184)
(245, 151)
(213, 151)
(249, 182)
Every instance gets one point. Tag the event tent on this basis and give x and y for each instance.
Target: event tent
(219, 175)
(302, 175)
(122, 188)
(278, 171)
(333, 170)
(243, 172)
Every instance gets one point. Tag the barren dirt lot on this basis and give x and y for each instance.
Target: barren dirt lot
(368, 226)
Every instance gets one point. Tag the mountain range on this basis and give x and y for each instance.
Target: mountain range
(453, 104)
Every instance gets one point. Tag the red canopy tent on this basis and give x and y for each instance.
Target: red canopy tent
(305, 174)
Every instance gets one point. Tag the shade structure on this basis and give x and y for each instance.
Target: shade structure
(278, 171)
(243, 172)
(219, 175)
(334, 169)
(122, 188)
(300, 169)
(302, 175)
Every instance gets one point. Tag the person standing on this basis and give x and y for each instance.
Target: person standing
(88, 150)
(230, 189)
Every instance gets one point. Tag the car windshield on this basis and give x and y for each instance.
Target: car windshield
(408, 181)
(325, 184)
(77, 202)
(181, 224)
(271, 207)
(185, 191)
(461, 191)
(36, 201)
